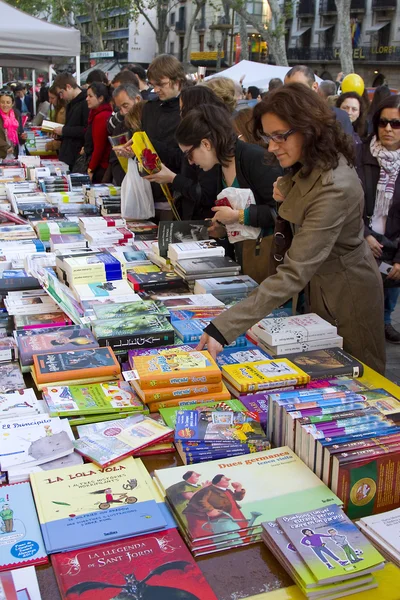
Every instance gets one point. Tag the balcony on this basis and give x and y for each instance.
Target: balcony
(357, 6)
(180, 27)
(367, 54)
(384, 4)
(327, 7)
(223, 23)
(306, 8)
(200, 25)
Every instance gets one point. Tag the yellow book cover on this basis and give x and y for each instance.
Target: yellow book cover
(83, 505)
(215, 397)
(176, 368)
(264, 374)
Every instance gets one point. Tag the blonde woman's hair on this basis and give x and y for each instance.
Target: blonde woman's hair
(133, 119)
(224, 88)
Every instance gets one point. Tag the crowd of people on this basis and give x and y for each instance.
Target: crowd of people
(323, 170)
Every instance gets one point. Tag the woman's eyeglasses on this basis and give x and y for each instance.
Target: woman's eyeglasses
(188, 153)
(278, 138)
(394, 123)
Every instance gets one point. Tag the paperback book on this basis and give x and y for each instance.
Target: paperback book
(129, 309)
(140, 330)
(324, 364)
(266, 374)
(299, 328)
(169, 415)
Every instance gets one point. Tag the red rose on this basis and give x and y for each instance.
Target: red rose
(150, 160)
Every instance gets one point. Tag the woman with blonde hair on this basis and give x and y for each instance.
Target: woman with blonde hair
(224, 88)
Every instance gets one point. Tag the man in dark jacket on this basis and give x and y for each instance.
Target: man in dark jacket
(23, 101)
(161, 117)
(76, 118)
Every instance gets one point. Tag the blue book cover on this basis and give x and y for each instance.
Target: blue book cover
(250, 353)
(21, 542)
(224, 426)
(84, 505)
(192, 330)
(237, 284)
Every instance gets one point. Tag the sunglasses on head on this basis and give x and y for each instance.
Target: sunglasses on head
(394, 123)
(6, 93)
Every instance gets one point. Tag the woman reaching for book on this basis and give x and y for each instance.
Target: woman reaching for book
(322, 199)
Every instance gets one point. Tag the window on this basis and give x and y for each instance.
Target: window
(113, 23)
(172, 47)
(255, 8)
(201, 43)
(172, 19)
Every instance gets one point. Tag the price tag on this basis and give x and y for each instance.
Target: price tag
(130, 375)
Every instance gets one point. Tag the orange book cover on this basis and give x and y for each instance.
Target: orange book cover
(75, 364)
(175, 393)
(176, 369)
(216, 397)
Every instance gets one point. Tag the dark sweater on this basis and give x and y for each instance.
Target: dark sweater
(73, 133)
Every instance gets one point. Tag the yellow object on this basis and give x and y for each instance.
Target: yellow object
(353, 83)
(375, 381)
(388, 581)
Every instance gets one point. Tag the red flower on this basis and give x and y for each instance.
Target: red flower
(150, 160)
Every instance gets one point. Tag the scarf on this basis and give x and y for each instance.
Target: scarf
(11, 125)
(389, 164)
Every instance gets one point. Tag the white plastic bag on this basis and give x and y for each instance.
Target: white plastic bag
(136, 196)
(239, 199)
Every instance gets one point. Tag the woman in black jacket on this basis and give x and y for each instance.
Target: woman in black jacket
(207, 139)
(378, 166)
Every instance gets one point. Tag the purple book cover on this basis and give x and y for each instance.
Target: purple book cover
(257, 403)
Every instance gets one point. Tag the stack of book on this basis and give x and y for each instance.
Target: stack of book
(169, 415)
(14, 232)
(384, 532)
(323, 552)
(206, 248)
(96, 193)
(154, 281)
(166, 378)
(221, 504)
(65, 242)
(189, 325)
(209, 267)
(79, 269)
(226, 288)
(287, 335)
(45, 229)
(209, 435)
(35, 302)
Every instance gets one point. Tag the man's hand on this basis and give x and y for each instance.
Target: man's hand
(375, 246)
(216, 231)
(225, 215)
(125, 150)
(277, 194)
(395, 272)
(165, 175)
(213, 346)
(58, 130)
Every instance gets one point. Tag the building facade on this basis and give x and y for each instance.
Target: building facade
(312, 38)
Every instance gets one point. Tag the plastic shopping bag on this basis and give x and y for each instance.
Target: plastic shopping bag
(136, 196)
(238, 199)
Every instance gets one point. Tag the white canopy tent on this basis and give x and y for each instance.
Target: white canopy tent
(29, 42)
(257, 74)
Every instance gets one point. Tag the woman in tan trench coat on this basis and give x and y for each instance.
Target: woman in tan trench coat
(322, 198)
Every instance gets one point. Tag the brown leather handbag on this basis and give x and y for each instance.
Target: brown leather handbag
(281, 242)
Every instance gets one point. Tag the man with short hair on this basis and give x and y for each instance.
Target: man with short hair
(23, 101)
(252, 95)
(327, 88)
(145, 89)
(125, 78)
(305, 75)
(76, 118)
(274, 84)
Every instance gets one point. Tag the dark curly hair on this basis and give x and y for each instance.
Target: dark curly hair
(212, 123)
(193, 97)
(359, 124)
(304, 111)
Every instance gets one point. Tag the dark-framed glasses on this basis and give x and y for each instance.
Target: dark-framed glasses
(188, 153)
(394, 123)
(278, 138)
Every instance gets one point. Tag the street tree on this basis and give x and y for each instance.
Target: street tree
(345, 41)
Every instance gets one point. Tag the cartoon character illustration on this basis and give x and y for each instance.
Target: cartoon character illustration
(343, 543)
(112, 498)
(134, 589)
(315, 542)
(180, 493)
(8, 520)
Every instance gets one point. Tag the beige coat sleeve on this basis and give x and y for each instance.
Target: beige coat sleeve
(324, 216)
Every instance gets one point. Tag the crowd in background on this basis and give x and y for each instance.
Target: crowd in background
(334, 160)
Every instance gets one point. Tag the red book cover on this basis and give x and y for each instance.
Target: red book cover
(149, 567)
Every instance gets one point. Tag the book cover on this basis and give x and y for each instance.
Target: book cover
(161, 350)
(170, 393)
(11, 378)
(159, 565)
(234, 356)
(98, 398)
(107, 443)
(225, 426)
(21, 539)
(17, 404)
(188, 301)
(169, 414)
(298, 328)
(324, 364)
(211, 264)
(177, 251)
(176, 368)
(155, 281)
(140, 330)
(107, 289)
(86, 505)
(235, 285)
(58, 319)
(171, 232)
(292, 487)
(266, 374)
(60, 338)
(129, 309)
(386, 526)
(195, 313)
(34, 440)
(76, 364)
(214, 397)
(330, 544)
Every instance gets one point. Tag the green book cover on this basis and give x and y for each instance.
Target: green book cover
(96, 398)
(132, 325)
(129, 309)
(89, 419)
(169, 414)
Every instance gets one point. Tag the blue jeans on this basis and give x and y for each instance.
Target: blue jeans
(391, 296)
(321, 550)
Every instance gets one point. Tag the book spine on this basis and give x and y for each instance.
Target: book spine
(142, 340)
(216, 397)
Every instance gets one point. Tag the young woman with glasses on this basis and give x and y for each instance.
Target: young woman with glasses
(322, 199)
(378, 165)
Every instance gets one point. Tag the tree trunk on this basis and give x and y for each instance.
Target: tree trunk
(346, 46)
(162, 27)
(188, 37)
(244, 39)
(97, 33)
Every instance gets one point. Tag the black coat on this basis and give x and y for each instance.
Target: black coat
(253, 172)
(368, 171)
(73, 133)
(198, 191)
(343, 118)
(29, 104)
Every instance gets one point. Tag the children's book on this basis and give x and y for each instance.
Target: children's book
(176, 368)
(129, 309)
(171, 393)
(23, 472)
(299, 328)
(266, 374)
(330, 544)
(228, 427)
(34, 440)
(107, 443)
(32, 342)
(82, 506)
(20, 403)
(158, 564)
(92, 399)
(11, 378)
(169, 414)
(75, 364)
(21, 539)
(234, 356)
(26, 584)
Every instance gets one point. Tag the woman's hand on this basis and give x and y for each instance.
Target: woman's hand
(277, 194)
(58, 130)
(225, 215)
(24, 136)
(395, 272)
(375, 246)
(125, 150)
(216, 230)
(164, 175)
(213, 346)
